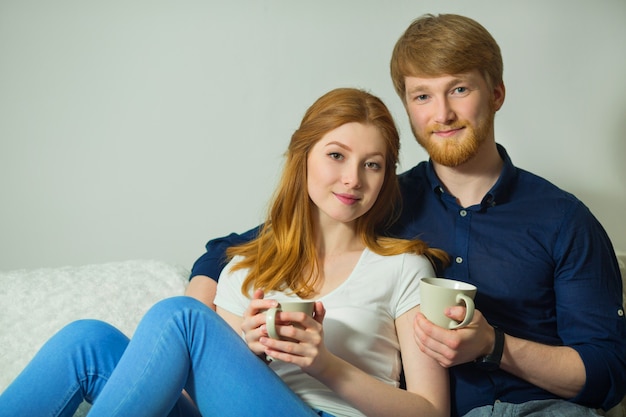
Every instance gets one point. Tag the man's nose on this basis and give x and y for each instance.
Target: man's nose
(444, 112)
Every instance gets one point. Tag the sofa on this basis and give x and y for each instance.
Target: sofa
(36, 303)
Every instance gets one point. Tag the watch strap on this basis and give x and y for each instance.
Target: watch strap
(492, 361)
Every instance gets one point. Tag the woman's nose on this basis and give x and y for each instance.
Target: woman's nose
(352, 177)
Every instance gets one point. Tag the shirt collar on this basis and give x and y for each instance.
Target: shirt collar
(500, 191)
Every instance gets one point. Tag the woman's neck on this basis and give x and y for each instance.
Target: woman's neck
(339, 249)
(335, 238)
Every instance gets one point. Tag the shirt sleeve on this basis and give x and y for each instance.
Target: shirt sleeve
(589, 306)
(212, 262)
(414, 268)
(229, 295)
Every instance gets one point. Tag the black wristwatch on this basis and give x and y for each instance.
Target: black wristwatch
(491, 362)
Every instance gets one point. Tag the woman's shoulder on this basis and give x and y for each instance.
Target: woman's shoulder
(233, 276)
(406, 261)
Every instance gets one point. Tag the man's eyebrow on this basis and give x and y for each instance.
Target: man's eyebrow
(458, 79)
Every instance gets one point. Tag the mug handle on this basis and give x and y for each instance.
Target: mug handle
(469, 313)
(270, 322)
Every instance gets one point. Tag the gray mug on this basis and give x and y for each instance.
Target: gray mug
(438, 294)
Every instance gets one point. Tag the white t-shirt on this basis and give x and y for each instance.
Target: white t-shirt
(359, 325)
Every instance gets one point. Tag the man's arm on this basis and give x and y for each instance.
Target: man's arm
(203, 289)
(207, 269)
(557, 369)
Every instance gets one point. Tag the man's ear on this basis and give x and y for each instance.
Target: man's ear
(498, 95)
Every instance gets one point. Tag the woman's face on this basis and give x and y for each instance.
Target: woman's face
(345, 172)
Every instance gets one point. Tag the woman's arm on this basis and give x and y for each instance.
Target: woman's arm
(427, 391)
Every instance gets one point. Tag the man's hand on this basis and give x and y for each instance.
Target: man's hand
(454, 347)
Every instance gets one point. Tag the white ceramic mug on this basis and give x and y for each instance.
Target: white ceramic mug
(303, 306)
(438, 294)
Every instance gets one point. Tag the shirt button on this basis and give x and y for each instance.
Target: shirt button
(620, 312)
(463, 213)
(459, 260)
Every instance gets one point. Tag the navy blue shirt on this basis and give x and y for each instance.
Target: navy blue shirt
(545, 270)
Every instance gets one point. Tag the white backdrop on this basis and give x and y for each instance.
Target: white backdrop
(140, 129)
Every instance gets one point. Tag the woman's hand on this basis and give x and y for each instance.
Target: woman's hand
(307, 350)
(253, 324)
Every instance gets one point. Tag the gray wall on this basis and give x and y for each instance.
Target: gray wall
(140, 129)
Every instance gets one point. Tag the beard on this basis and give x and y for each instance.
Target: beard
(452, 152)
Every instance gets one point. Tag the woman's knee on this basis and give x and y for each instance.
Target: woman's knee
(172, 306)
(186, 314)
(83, 346)
(92, 332)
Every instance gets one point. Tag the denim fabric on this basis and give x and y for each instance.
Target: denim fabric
(540, 408)
(180, 343)
(73, 365)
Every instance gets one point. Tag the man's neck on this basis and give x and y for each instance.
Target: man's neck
(471, 181)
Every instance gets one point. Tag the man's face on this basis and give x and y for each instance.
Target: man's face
(452, 115)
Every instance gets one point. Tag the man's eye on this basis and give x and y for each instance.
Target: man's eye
(460, 90)
(421, 97)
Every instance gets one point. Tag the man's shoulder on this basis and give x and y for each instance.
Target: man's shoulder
(535, 186)
(418, 172)
(414, 178)
(537, 197)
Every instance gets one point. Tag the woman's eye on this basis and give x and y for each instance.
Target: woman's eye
(373, 165)
(460, 90)
(335, 155)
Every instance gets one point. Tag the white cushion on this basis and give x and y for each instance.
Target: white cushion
(37, 303)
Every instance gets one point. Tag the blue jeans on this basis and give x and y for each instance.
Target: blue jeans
(539, 408)
(180, 343)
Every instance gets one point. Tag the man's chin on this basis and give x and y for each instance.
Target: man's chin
(450, 156)
(449, 162)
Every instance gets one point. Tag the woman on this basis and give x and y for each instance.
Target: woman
(321, 241)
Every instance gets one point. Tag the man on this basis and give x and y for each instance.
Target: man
(549, 332)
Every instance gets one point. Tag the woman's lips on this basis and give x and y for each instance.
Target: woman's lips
(348, 199)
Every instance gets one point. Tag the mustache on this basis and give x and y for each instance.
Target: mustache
(439, 127)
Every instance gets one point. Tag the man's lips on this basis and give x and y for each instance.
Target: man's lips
(348, 199)
(446, 133)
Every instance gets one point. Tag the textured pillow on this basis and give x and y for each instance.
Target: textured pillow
(37, 303)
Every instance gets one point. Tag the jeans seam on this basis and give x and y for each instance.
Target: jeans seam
(143, 372)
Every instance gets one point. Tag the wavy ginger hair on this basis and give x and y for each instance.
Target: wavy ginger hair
(283, 256)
